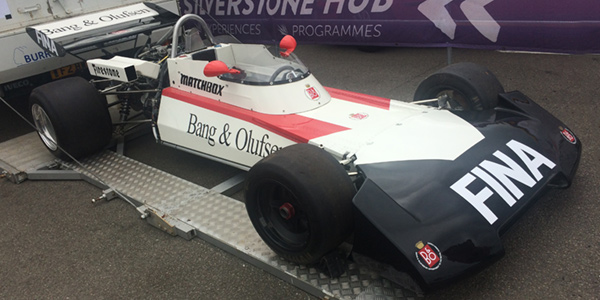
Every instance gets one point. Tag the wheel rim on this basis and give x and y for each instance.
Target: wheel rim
(281, 217)
(44, 127)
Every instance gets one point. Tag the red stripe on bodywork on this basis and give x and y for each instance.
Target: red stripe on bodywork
(363, 99)
(297, 128)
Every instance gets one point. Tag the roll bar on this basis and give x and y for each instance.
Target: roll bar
(178, 26)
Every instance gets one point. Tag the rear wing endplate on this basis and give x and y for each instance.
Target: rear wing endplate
(99, 30)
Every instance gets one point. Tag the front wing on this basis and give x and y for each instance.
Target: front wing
(439, 219)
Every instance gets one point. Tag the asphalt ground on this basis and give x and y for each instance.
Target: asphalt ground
(55, 244)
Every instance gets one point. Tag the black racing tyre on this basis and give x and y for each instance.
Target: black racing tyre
(469, 87)
(299, 200)
(72, 115)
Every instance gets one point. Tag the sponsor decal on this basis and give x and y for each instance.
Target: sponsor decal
(88, 22)
(119, 17)
(202, 85)
(106, 71)
(501, 177)
(22, 56)
(283, 8)
(46, 43)
(428, 255)
(15, 85)
(131, 14)
(236, 29)
(109, 70)
(62, 29)
(201, 130)
(242, 139)
(359, 116)
(312, 93)
(333, 30)
(568, 135)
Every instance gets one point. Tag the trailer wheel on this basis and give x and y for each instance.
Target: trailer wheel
(468, 86)
(299, 200)
(72, 115)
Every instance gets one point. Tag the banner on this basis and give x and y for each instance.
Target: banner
(533, 25)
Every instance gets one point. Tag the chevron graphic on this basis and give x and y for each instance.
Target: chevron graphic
(482, 20)
(474, 10)
(436, 12)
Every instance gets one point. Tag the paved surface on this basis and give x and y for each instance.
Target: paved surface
(55, 244)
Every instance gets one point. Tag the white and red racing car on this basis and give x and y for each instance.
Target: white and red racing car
(326, 164)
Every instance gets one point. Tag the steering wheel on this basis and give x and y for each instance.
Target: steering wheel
(279, 70)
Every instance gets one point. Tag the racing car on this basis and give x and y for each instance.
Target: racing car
(425, 187)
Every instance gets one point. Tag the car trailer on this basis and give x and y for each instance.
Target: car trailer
(185, 209)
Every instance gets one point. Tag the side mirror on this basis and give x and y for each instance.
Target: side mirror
(288, 43)
(216, 68)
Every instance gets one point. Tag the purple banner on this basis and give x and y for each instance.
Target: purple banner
(527, 25)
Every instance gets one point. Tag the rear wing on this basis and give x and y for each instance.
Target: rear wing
(100, 30)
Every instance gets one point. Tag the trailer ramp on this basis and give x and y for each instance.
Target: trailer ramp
(182, 208)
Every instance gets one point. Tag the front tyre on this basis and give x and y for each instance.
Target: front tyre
(71, 115)
(465, 86)
(299, 200)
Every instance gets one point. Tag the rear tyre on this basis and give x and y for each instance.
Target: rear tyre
(71, 115)
(299, 200)
(469, 87)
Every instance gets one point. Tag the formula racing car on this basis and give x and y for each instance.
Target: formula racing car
(426, 187)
